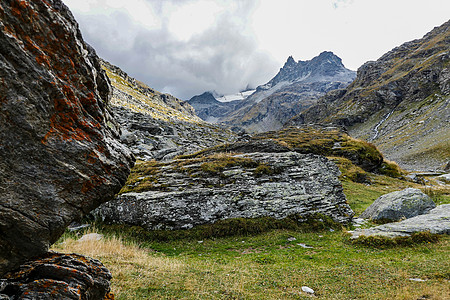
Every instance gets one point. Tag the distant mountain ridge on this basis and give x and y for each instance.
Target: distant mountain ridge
(209, 109)
(400, 102)
(294, 88)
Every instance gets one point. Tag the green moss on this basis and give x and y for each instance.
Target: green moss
(402, 241)
(219, 163)
(263, 169)
(142, 178)
(391, 169)
(333, 143)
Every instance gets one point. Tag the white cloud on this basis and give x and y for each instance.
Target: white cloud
(190, 46)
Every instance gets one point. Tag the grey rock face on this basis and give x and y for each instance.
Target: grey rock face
(436, 221)
(151, 138)
(398, 205)
(59, 154)
(57, 276)
(186, 193)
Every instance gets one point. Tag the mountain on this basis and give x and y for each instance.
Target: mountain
(155, 125)
(399, 102)
(209, 109)
(295, 88)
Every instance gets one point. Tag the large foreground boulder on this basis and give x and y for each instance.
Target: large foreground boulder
(399, 205)
(58, 276)
(59, 157)
(189, 192)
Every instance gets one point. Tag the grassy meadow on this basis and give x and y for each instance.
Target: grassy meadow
(273, 264)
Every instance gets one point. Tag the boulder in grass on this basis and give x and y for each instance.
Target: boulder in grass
(399, 205)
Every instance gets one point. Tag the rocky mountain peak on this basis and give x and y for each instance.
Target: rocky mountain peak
(319, 68)
(290, 62)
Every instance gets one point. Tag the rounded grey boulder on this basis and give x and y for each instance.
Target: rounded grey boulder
(399, 205)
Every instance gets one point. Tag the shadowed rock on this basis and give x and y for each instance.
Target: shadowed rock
(59, 156)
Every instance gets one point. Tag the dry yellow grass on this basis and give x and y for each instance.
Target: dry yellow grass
(131, 266)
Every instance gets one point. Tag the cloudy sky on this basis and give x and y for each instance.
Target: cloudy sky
(186, 47)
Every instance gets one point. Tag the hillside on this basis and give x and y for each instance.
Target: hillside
(155, 125)
(399, 102)
(295, 88)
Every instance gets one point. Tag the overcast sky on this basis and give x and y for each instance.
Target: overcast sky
(186, 47)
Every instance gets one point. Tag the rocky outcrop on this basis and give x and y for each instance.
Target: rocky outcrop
(399, 102)
(399, 205)
(435, 221)
(58, 276)
(59, 154)
(158, 126)
(193, 191)
(296, 87)
(152, 138)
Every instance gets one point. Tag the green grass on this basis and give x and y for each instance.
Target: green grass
(272, 265)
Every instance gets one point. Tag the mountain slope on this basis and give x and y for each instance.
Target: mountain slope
(399, 102)
(295, 88)
(209, 109)
(155, 125)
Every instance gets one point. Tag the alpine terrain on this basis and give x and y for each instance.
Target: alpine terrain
(401, 102)
(295, 88)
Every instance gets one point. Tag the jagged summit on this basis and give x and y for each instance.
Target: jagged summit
(293, 89)
(320, 68)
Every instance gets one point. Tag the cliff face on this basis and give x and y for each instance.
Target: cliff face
(399, 102)
(296, 87)
(59, 154)
(158, 126)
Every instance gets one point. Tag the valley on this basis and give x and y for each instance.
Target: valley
(111, 189)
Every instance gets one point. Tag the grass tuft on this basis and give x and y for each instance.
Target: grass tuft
(383, 242)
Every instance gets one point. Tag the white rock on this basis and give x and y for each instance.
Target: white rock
(290, 239)
(91, 237)
(307, 290)
(417, 279)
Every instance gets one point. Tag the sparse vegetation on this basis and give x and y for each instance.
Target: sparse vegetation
(403, 241)
(339, 147)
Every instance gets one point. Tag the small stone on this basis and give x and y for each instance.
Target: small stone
(200, 242)
(290, 239)
(91, 237)
(417, 279)
(307, 290)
